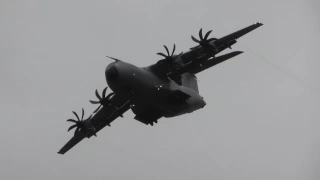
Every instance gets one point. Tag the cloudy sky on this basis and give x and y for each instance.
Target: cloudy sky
(262, 117)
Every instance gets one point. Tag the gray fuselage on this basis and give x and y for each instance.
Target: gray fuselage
(146, 89)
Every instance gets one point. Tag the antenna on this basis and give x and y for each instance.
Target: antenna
(113, 58)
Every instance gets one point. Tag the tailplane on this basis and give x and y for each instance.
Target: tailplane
(189, 80)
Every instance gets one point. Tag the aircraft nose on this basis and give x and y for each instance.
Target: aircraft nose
(112, 73)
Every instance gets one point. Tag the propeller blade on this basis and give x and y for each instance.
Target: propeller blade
(76, 115)
(207, 34)
(104, 92)
(174, 48)
(71, 120)
(108, 97)
(200, 34)
(195, 40)
(161, 54)
(94, 102)
(166, 49)
(98, 96)
(82, 114)
(71, 127)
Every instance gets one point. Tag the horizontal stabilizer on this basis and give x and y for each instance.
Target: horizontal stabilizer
(214, 61)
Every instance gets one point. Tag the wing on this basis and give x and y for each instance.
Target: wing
(229, 40)
(234, 36)
(101, 119)
(218, 44)
(199, 59)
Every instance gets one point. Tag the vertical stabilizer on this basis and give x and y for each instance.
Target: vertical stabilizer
(189, 80)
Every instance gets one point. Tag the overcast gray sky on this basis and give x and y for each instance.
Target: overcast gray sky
(259, 122)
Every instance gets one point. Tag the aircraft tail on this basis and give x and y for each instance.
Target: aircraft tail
(189, 80)
(214, 61)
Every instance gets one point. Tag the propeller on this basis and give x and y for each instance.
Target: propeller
(204, 41)
(104, 100)
(79, 123)
(169, 58)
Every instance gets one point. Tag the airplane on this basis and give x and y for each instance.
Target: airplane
(165, 89)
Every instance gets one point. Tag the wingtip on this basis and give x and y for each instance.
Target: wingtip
(236, 53)
(259, 23)
(239, 52)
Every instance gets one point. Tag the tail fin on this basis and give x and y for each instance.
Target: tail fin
(189, 80)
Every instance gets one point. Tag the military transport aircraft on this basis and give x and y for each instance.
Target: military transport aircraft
(167, 88)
